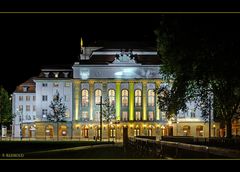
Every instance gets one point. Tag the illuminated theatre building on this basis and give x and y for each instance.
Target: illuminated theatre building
(127, 77)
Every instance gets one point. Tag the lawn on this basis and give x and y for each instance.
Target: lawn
(33, 146)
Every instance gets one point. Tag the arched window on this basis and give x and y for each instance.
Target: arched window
(186, 130)
(138, 98)
(98, 94)
(84, 98)
(151, 99)
(199, 131)
(111, 95)
(124, 98)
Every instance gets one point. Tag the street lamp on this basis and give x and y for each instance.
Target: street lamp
(214, 129)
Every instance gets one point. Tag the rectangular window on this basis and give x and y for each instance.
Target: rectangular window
(112, 133)
(20, 108)
(27, 98)
(138, 116)
(151, 97)
(66, 98)
(85, 116)
(97, 116)
(124, 98)
(163, 115)
(67, 114)
(34, 108)
(44, 113)
(44, 84)
(125, 116)
(55, 84)
(44, 98)
(27, 108)
(25, 89)
(192, 114)
(67, 84)
(138, 98)
(137, 132)
(150, 115)
(34, 98)
(20, 98)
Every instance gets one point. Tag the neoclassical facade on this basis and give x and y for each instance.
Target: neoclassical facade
(127, 76)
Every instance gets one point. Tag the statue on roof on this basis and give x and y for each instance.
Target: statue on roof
(124, 57)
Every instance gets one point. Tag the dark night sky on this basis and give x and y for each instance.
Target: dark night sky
(29, 41)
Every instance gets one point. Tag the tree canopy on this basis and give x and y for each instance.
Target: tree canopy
(58, 108)
(200, 55)
(5, 108)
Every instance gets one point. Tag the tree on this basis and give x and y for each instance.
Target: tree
(200, 56)
(58, 111)
(109, 113)
(6, 115)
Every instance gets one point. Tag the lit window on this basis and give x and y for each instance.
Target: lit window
(151, 97)
(27, 108)
(138, 116)
(84, 98)
(112, 133)
(124, 98)
(163, 115)
(125, 116)
(98, 94)
(34, 98)
(67, 84)
(138, 98)
(55, 84)
(111, 95)
(44, 84)
(150, 115)
(25, 89)
(27, 98)
(67, 114)
(44, 113)
(20, 98)
(149, 132)
(137, 132)
(44, 98)
(34, 108)
(85, 116)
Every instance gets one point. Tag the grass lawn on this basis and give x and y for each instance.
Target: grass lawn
(33, 146)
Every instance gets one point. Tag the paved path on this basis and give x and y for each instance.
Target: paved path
(78, 148)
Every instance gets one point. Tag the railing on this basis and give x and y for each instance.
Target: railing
(160, 149)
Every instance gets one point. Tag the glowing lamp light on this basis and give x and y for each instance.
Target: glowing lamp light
(118, 73)
(214, 126)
